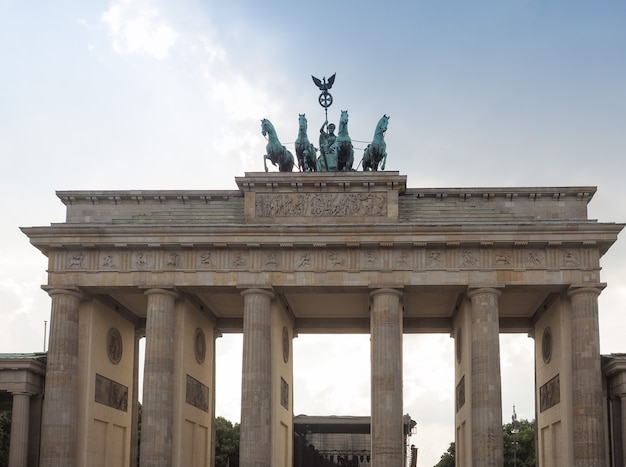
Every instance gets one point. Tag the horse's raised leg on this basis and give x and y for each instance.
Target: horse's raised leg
(265, 158)
(382, 167)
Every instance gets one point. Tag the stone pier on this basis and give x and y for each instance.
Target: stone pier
(60, 411)
(256, 388)
(587, 406)
(486, 397)
(386, 360)
(158, 383)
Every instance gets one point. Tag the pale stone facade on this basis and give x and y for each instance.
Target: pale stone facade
(312, 253)
(22, 379)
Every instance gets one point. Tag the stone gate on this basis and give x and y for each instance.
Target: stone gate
(291, 253)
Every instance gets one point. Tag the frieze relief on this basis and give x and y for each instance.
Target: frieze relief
(205, 259)
(435, 259)
(321, 205)
(402, 260)
(469, 258)
(550, 394)
(111, 393)
(173, 260)
(284, 393)
(77, 261)
(535, 259)
(288, 258)
(336, 260)
(197, 394)
(143, 260)
(109, 261)
(460, 394)
(570, 259)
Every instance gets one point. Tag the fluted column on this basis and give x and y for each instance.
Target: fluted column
(256, 388)
(216, 334)
(60, 413)
(134, 429)
(20, 417)
(386, 379)
(158, 380)
(586, 379)
(622, 399)
(487, 440)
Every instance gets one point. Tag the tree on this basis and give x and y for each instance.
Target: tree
(519, 448)
(447, 458)
(139, 410)
(5, 434)
(226, 443)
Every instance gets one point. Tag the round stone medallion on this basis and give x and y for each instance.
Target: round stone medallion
(459, 345)
(546, 345)
(285, 344)
(200, 345)
(114, 346)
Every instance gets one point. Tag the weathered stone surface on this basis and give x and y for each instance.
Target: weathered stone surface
(321, 243)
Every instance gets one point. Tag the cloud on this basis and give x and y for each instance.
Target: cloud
(136, 27)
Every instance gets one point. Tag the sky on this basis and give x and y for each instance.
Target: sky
(150, 94)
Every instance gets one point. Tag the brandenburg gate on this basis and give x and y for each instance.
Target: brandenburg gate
(294, 253)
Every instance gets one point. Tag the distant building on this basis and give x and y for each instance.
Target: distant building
(614, 382)
(337, 440)
(22, 377)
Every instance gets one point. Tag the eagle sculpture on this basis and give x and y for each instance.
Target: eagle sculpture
(324, 85)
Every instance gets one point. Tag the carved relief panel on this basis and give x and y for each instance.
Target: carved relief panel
(287, 257)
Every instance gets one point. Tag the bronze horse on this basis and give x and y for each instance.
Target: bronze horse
(305, 151)
(376, 151)
(276, 152)
(343, 145)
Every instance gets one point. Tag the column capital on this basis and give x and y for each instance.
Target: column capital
(140, 332)
(575, 289)
(162, 291)
(477, 290)
(73, 291)
(258, 291)
(387, 291)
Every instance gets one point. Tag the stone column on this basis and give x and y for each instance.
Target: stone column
(158, 380)
(256, 390)
(20, 417)
(134, 429)
(386, 379)
(60, 413)
(216, 334)
(623, 426)
(587, 405)
(486, 425)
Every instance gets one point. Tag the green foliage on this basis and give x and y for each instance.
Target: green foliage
(226, 443)
(519, 448)
(447, 458)
(139, 410)
(5, 434)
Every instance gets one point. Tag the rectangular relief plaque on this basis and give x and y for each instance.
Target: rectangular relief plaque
(284, 393)
(550, 394)
(111, 393)
(197, 394)
(321, 204)
(460, 394)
